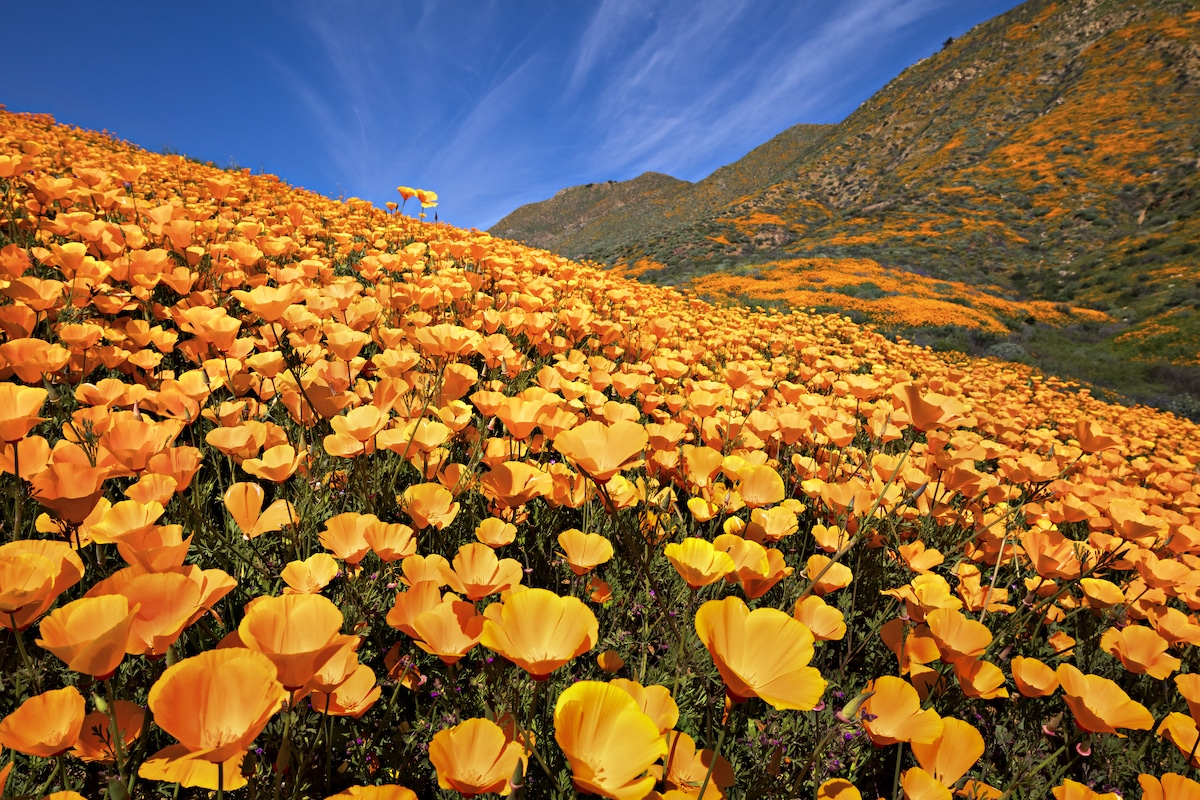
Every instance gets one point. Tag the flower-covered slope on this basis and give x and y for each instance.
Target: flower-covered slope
(340, 499)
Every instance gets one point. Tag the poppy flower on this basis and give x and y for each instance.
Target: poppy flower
(429, 504)
(893, 714)
(1170, 786)
(66, 570)
(687, 767)
(980, 679)
(655, 701)
(761, 653)
(610, 661)
(826, 622)
(156, 548)
(1141, 650)
(95, 737)
(217, 702)
(391, 541)
(19, 407)
(838, 789)
(1074, 790)
(477, 572)
(345, 535)
(948, 757)
(298, 633)
(608, 741)
(277, 463)
(244, 502)
(495, 532)
(957, 635)
(760, 486)
(827, 575)
(698, 562)
(24, 579)
(601, 451)
(1099, 705)
(1180, 730)
(475, 757)
(1033, 678)
(89, 634)
(421, 596)
(310, 575)
(918, 784)
(584, 551)
(165, 602)
(448, 630)
(353, 697)
(384, 792)
(45, 725)
(539, 631)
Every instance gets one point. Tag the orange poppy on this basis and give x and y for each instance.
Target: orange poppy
(957, 635)
(1180, 730)
(384, 792)
(761, 653)
(760, 486)
(601, 451)
(980, 679)
(475, 757)
(65, 569)
(1170, 786)
(1141, 649)
(448, 630)
(1033, 678)
(698, 562)
(477, 572)
(608, 741)
(244, 502)
(584, 551)
(45, 725)
(826, 574)
(391, 541)
(89, 634)
(893, 714)
(309, 576)
(165, 602)
(918, 784)
(277, 463)
(345, 535)
(539, 631)
(1099, 705)
(948, 757)
(655, 702)
(19, 406)
(421, 596)
(838, 789)
(495, 532)
(353, 697)
(429, 504)
(297, 632)
(95, 737)
(156, 548)
(217, 702)
(826, 622)
(610, 661)
(1074, 790)
(686, 768)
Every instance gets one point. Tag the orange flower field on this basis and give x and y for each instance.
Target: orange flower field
(310, 499)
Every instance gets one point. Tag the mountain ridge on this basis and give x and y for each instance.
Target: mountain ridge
(1049, 153)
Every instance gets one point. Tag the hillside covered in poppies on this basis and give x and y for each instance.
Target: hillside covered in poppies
(305, 498)
(1046, 156)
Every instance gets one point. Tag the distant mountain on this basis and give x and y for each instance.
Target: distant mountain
(597, 219)
(1051, 152)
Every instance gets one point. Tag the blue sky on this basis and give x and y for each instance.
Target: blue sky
(490, 104)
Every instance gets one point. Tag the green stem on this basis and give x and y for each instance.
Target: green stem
(896, 772)
(33, 673)
(716, 753)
